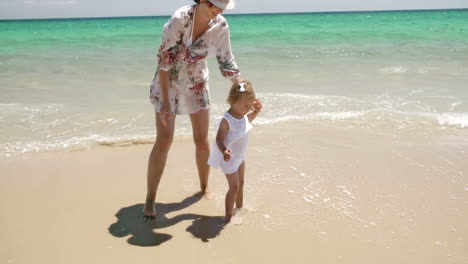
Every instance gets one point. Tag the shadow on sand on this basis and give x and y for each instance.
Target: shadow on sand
(142, 233)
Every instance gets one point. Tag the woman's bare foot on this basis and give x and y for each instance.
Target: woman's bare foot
(149, 211)
(227, 219)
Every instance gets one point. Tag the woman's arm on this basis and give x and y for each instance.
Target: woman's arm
(171, 40)
(224, 56)
(164, 87)
(236, 79)
(167, 53)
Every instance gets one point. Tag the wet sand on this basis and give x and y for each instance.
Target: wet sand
(313, 194)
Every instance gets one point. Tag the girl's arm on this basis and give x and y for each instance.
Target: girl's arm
(220, 137)
(257, 108)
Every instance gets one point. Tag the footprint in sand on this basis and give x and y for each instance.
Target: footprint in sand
(243, 210)
(235, 221)
(209, 196)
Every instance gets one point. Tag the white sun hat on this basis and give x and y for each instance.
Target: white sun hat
(224, 4)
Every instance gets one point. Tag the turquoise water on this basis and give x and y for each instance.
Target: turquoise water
(82, 82)
(337, 29)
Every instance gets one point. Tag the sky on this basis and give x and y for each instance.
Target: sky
(27, 9)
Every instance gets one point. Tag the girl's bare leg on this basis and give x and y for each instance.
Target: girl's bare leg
(233, 181)
(200, 126)
(240, 192)
(157, 161)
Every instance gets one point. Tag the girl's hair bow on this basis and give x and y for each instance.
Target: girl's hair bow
(241, 87)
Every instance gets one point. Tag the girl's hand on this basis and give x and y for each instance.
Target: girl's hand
(257, 106)
(164, 113)
(227, 155)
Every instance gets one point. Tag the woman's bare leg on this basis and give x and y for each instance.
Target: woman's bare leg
(200, 126)
(233, 181)
(240, 192)
(157, 161)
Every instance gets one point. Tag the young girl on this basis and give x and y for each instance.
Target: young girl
(231, 141)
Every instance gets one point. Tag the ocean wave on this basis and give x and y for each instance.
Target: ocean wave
(313, 116)
(399, 71)
(367, 111)
(373, 118)
(54, 127)
(49, 108)
(453, 119)
(393, 70)
(51, 127)
(80, 143)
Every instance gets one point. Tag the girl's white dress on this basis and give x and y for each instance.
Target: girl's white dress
(236, 140)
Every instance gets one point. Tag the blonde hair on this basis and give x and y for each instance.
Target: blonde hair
(235, 93)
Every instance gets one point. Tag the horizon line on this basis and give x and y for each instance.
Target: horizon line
(242, 14)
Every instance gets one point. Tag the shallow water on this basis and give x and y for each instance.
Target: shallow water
(78, 83)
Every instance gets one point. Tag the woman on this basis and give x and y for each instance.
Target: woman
(180, 84)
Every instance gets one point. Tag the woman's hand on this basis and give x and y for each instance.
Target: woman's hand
(164, 112)
(227, 155)
(236, 79)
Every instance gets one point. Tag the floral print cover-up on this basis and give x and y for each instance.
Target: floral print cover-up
(186, 61)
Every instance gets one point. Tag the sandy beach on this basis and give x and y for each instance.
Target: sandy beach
(313, 194)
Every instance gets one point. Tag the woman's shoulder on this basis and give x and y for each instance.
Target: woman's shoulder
(181, 17)
(221, 21)
(183, 12)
